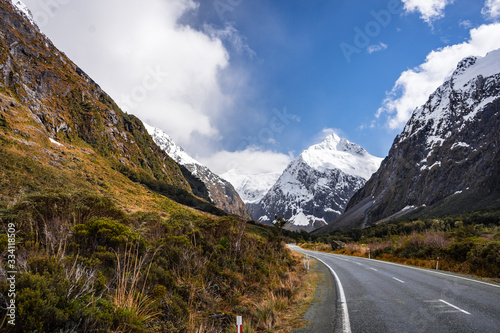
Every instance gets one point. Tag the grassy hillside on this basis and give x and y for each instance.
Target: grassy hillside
(84, 265)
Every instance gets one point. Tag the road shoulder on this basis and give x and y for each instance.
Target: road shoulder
(321, 313)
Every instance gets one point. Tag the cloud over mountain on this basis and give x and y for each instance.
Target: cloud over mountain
(415, 85)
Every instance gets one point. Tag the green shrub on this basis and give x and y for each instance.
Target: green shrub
(459, 250)
(44, 303)
(175, 313)
(102, 233)
(224, 243)
(485, 259)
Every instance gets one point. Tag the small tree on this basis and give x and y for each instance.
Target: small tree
(279, 223)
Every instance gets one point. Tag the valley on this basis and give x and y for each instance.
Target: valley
(109, 225)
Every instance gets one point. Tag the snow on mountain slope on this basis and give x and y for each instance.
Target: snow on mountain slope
(24, 11)
(472, 67)
(454, 103)
(165, 142)
(315, 187)
(221, 192)
(251, 188)
(337, 153)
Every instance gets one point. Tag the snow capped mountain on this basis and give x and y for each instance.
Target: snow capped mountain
(24, 11)
(251, 188)
(316, 186)
(165, 142)
(220, 191)
(446, 156)
(337, 153)
(456, 102)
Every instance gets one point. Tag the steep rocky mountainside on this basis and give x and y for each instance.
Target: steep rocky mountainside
(315, 187)
(446, 160)
(59, 129)
(216, 189)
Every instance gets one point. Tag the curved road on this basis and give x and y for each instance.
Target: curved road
(377, 296)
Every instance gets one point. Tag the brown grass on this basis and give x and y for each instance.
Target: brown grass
(292, 317)
(127, 294)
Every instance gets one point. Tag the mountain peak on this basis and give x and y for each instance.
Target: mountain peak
(332, 139)
(333, 142)
(471, 68)
(339, 153)
(464, 64)
(24, 11)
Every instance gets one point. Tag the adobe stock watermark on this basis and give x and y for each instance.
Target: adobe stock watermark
(11, 273)
(47, 10)
(153, 78)
(363, 37)
(224, 6)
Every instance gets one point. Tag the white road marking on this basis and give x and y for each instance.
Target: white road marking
(346, 325)
(373, 269)
(398, 280)
(454, 306)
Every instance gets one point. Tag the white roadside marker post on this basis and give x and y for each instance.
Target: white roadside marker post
(239, 324)
(306, 265)
(437, 263)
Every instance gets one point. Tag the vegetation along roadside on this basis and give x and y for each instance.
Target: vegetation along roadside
(84, 265)
(468, 244)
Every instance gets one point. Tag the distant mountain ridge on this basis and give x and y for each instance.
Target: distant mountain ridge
(220, 191)
(251, 188)
(315, 187)
(447, 158)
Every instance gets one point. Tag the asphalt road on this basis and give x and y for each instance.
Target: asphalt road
(376, 296)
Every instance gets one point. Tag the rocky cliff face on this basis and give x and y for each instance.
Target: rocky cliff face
(55, 119)
(449, 150)
(219, 191)
(315, 187)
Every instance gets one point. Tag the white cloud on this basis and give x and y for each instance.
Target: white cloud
(325, 132)
(250, 161)
(165, 72)
(377, 47)
(414, 86)
(232, 36)
(491, 9)
(466, 24)
(429, 10)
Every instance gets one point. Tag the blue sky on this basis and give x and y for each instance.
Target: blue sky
(249, 84)
(299, 62)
